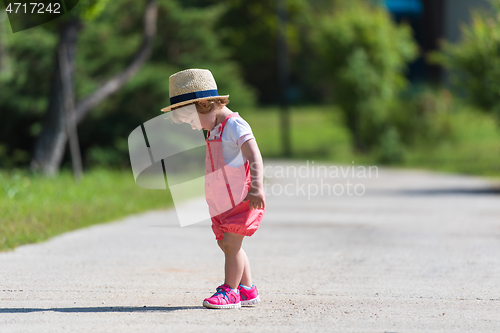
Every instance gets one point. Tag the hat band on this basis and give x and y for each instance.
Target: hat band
(193, 95)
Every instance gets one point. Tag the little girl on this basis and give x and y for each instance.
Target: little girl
(233, 179)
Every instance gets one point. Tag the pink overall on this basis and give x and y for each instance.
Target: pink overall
(225, 189)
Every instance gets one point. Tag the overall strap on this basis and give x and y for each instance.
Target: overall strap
(223, 124)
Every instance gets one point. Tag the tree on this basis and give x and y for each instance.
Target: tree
(186, 38)
(474, 62)
(50, 144)
(365, 55)
(250, 29)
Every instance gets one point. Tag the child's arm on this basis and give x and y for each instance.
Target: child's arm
(255, 195)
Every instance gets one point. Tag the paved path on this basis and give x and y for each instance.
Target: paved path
(417, 252)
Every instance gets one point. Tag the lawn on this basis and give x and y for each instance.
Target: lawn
(34, 208)
(317, 132)
(474, 148)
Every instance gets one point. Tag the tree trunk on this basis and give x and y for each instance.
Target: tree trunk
(114, 84)
(283, 76)
(69, 107)
(51, 144)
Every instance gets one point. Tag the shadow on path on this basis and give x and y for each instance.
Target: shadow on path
(494, 191)
(103, 309)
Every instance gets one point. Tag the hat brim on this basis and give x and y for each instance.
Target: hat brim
(169, 108)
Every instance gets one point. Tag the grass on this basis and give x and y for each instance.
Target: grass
(33, 208)
(317, 133)
(474, 148)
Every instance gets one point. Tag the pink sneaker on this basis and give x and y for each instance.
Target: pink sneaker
(224, 298)
(250, 296)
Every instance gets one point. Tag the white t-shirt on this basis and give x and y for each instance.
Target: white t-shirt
(236, 132)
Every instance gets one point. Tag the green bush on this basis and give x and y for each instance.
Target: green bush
(474, 62)
(365, 55)
(420, 118)
(423, 116)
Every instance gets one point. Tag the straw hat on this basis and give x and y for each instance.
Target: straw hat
(191, 85)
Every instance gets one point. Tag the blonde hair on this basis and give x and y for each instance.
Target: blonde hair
(220, 101)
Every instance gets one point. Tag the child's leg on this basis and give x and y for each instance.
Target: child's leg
(235, 259)
(246, 278)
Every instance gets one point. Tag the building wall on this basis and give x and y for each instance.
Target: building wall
(439, 19)
(458, 12)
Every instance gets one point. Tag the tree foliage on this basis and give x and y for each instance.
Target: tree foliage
(365, 55)
(475, 61)
(186, 39)
(347, 52)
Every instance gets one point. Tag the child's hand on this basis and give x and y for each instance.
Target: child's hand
(255, 199)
